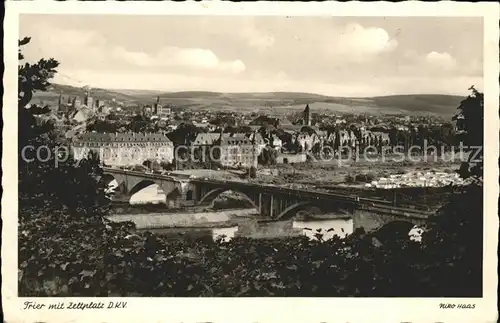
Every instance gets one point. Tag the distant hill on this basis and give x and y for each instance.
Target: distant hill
(440, 104)
(51, 96)
(272, 102)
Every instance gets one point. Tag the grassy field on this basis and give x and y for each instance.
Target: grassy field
(443, 105)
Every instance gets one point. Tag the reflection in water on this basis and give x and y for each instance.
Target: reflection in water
(228, 233)
(415, 234)
(339, 227)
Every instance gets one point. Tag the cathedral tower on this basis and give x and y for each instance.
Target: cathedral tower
(307, 116)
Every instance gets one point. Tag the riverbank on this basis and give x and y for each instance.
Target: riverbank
(236, 223)
(183, 219)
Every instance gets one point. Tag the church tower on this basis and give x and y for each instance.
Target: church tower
(88, 100)
(307, 116)
(60, 103)
(157, 110)
(77, 103)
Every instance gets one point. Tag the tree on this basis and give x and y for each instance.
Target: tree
(393, 137)
(184, 134)
(102, 126)
(455, 234)
(268, 156)
(336, 142)
(238, 129)
(32, 78)
(471, 120)
(224, 120)
(53, 177)
(253, 172)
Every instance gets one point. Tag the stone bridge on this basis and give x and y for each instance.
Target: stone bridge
(270, 201)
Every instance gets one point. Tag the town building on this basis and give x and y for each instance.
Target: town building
(276, 143)
(124, 149)
(240, 150)
(64, 108)
(82, 114)
(213, 138)
(160, 110)
(347, 138)
(89, 102)
(306, 141)
(236, 149)
(206, 139)
(147, 111)
(290, 128)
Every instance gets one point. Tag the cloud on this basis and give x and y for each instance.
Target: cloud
(175, 57)
(438, 65)
(255, 54)
(441, 60)
(358, 42)
(74, 48)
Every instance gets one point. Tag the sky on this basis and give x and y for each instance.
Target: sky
(337, 56)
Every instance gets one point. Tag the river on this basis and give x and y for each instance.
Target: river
(225, 223)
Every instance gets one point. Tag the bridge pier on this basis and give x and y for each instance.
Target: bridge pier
(367, 220)
(266, 205)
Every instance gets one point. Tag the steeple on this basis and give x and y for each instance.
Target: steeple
(157, 107)
(307, 116)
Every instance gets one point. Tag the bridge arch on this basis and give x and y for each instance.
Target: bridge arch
(141, 185)
(290, 211)
(210, 196)
(394, 231)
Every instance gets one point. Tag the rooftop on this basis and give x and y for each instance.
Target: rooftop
(119, 137)
(227, 138)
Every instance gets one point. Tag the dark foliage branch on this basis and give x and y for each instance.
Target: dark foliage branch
(46, 178)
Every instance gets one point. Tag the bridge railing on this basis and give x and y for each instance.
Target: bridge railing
(419, 198)
(399, 210)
